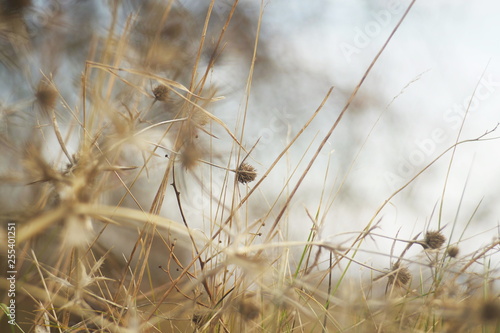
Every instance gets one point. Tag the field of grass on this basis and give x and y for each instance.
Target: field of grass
(136, 207)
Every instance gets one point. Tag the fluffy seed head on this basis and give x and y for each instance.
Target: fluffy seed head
(434, 239)
(246, 173)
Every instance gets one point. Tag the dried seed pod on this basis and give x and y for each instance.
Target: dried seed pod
(452, 251)
(399, 275)
(248, 310)
(160, 92)
(490, 311)
(246, 173)
(46, 95)
(434, 240)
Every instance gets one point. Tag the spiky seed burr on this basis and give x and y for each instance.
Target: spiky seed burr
(399, 275)
(246, 173)
(434, 240)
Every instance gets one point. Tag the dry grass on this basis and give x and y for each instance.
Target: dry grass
(109, 236)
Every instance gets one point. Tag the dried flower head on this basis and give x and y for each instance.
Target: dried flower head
(46, 95)
(246, 173)
(160, 92)
(434, 240)
(248, 310)
(490, 310)
(452, 251)
(400, 275)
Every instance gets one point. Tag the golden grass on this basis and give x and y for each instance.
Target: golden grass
(147, 139)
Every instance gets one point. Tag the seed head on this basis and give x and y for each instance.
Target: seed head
(160, 92)
(46, 95)
(490, 310)
(249, 310)
(452, 251)
(246, 173)
(434, 240)
(399, 275)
